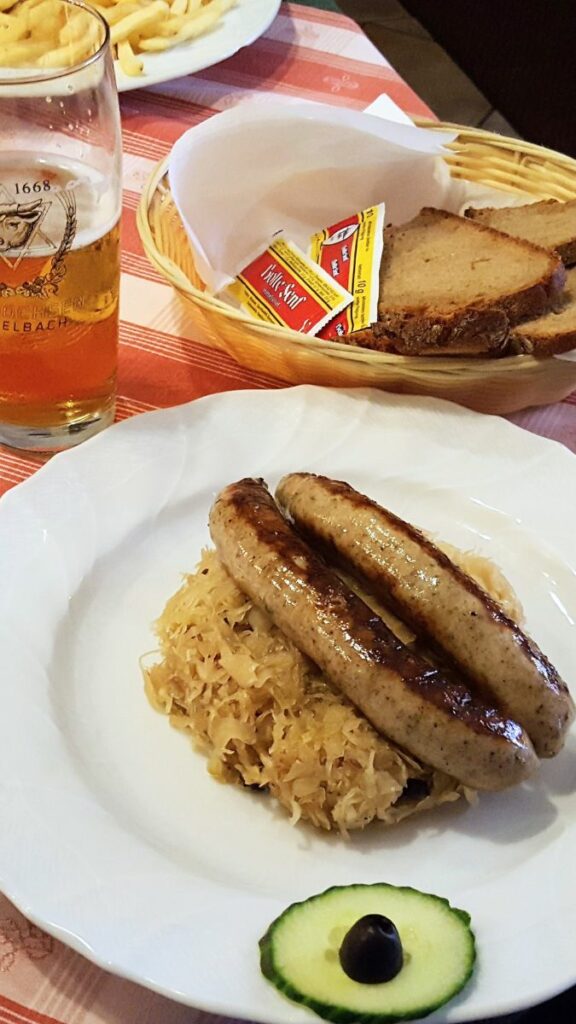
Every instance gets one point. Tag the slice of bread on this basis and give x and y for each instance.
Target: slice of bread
(451, 286)
(549, 224)
(553, 333)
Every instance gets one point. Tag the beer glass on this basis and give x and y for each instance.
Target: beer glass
(60, 202)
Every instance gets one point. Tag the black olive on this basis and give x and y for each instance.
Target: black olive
(372, 951)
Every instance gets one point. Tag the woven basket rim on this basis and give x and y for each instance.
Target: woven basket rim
(337, 351)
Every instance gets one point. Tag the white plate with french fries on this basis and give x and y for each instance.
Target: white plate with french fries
(153, 40)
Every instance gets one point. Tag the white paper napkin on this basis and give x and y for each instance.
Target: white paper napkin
(245, 174)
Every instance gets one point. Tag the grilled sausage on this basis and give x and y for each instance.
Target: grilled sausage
(437, 599)
(407, 699)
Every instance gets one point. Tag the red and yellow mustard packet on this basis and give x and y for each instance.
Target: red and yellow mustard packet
(351, 252)
(284, 286)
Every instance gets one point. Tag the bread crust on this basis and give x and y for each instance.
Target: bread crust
(567, 253)
(471, 338)
(469, 332)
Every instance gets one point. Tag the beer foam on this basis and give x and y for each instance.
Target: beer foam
(54, 194)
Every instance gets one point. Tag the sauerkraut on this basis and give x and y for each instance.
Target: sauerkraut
(487, 574)
(265, 717)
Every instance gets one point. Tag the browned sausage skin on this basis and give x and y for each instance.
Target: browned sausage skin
(407, 699)
(437, 599)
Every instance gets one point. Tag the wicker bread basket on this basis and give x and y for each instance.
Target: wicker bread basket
(488, 385)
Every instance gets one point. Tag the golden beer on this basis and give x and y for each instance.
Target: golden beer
(60, 202)
(59, 277)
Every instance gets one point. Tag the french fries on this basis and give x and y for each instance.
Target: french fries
(42, 33)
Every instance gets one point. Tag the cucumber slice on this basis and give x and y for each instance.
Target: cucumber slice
(299, 953)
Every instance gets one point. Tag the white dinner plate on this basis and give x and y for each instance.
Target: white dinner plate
(239, 27)
(113, 836)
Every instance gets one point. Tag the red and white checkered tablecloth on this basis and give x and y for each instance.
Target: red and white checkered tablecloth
(306, 53)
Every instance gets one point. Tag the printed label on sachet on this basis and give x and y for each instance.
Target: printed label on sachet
(351, 252)
(285, 287)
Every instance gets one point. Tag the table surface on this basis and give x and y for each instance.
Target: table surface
(306, 53)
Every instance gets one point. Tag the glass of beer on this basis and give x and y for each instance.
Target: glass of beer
(60, 202)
